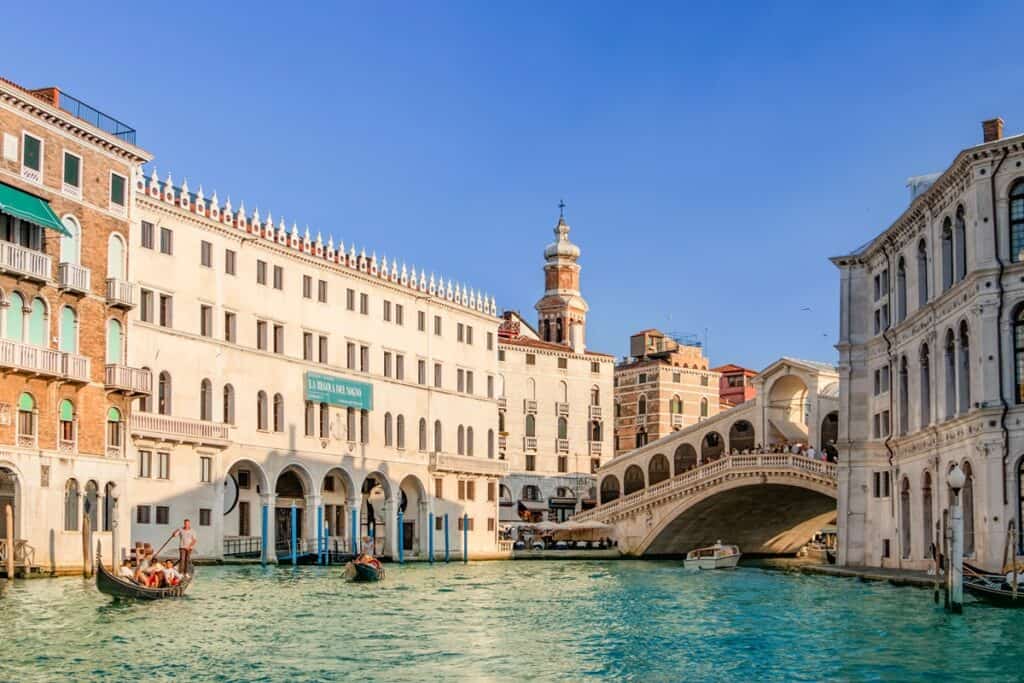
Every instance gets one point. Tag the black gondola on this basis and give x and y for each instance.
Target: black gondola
(992, 588)
(363, 572)
(129, 590)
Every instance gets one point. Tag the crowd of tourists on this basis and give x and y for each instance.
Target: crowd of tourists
(829, 454)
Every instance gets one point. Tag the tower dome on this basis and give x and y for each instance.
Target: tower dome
(561, 248)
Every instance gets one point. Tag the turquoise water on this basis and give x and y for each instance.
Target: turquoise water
(490, 621)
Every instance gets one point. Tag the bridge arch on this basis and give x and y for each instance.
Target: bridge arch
(685, 458)
(741, 436)
(711, 446)
(829, 432)
(657, 469)
(609, 489)
(632, 480)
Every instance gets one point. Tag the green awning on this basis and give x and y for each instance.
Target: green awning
(29, 208)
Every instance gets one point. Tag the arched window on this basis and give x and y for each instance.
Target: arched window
(950, 384)
(229, 404)
(926, 387)
(704, 407)
(389, 436)
(261, 410)
(115, 257)
(964, 374)
(114, 341)
(146, 401)
(108, 506)
(400, 432)
(310, 422)
(115, 431)
(609, 489)
(438, 442)
(905, 518)
(641, 405)
(501, 422)
(904, 396)
(531, 389)
(657, 469)
(928, 537)
(26, 420)
(461, 440)
(531, 425)
(633, 480)
(15, 329)
(967, 502)
(423, 435)
(922, 273)
(469, 441)
(947, 254)
(685, 458)
(960, 242)
(278, 413)
(563, 428)
(595, 430)
(675, 406)
(595, 396)
(1018, 346)
(901, 290)
(67, 424)
(71, 505)
(563, 392)
(1017, 225)
(70, 245)
(68, 330)
(163, 394)
(531, 493)
(37, 323)
(490, 443)
(206, 400)
(91, 507)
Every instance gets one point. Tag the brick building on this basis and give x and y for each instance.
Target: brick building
(735, 385)
(65, 202)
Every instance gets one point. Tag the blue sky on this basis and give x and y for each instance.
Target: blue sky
(712, 157)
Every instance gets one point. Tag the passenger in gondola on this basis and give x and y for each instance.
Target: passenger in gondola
(171, 576)
(125, 571)
(142, 568)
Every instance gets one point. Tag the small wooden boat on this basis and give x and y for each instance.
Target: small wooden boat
(124, 589)
(992, 588)
(716, 556)
(364, 572)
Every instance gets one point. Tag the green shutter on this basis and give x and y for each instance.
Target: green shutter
(71, 170)
(68, 330)
(113, 341)
(32, 150)
(15, 317)
(113, 415)
(67, 411)
(37, 323)
(26, 402)
(117, 189)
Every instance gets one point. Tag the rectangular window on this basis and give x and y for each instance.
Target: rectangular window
(204, 516)
(364, 358)
(321, 291)
(531, 463)
(490, 341)
(437, 375)
(278, 338)
(421, 321)
(439, 523)
(469, 334)
(350, 299)
(490, 386)
(166, 241)
(278, 277)
(563, 363)
(421, 372)
(205, 469)
(491, 493)
(261, 335)
(399, 366)
(72, 171)
(307, 346)
(387, 311)
(32, 153)
(437, 325)
(146, 305)
(460, 380)
(462, 490)
(399, 314)
(142, 514)
(471, 490)
(531, 359)
(145, 464)
(166, 310)
(118, 185)
(163, 465)
(460, 332)
(350, 355)
(230, 332)
(364, 304)
(490, 523)
(243, 518)
(501, 355)
(229, 261)
(469, 381)
(146, 235)
(563, 464)
(163, 514)
(307, 287)
(387, 363)
(205, 254)
(322, 356)
(244, 479)
(206, 320)
(261, 272)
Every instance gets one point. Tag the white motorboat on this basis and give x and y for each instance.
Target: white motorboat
(717, 556)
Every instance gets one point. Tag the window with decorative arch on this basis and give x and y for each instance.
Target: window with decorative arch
(1017, 221)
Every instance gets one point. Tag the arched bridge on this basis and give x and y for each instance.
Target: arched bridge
(767, 503)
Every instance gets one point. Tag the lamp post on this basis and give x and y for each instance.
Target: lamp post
(956, 480)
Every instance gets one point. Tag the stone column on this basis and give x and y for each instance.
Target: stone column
(309, 521)
(419, 546)
(268, 501)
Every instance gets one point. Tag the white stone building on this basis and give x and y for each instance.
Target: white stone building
(293, 373)
(555, 418)
(932, 365)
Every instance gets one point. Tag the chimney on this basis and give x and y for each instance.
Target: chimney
(992, 129)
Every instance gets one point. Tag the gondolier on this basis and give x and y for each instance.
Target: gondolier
(186, 542)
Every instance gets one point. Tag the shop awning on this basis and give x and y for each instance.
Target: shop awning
(29, 208)
(532, 506)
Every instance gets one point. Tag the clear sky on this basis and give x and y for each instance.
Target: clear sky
(712, 157)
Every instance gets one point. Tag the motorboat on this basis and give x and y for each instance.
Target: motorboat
(717, 556)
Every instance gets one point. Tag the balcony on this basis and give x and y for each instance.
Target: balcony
(132, 381)
(595, 412)
(179, 429)
(595, 449)
(120, 294)
(529, 406)
(446, 462)
(562, 409)
(37, 360)
(502, 403)
(27, 263)
(502, 444)
(75, 368)
(641, 419)
(562, 445)
(73, 277)
(677, 420)
(530, 444)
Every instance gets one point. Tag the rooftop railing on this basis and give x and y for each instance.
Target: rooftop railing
(104, 122)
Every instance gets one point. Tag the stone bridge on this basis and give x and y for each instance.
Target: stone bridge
(766, 503)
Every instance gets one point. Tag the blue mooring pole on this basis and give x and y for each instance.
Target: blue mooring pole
(327, 544)
(371, 532)
(295, 534)
(263, 536)
(465, 538)
(319, 534)
(354, 531)
(430, 538)
(401, 539)
(447, 554)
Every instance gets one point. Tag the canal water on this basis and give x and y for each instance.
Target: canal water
(491, 621)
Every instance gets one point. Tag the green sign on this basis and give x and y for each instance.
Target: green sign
(338, 391)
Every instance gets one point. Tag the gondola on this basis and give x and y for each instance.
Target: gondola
(992, 588)
(364, 572)
(129, 590)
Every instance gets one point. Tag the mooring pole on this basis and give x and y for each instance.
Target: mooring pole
(9, 519)
(319, 534)
(265, 512)
(465, 538)
(430, 537)
(401, 539)
(354, 531)
(447, 549)
(295, 534)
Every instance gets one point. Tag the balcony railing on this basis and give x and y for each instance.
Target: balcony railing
(73, 277)
(677, 420)
(179, 429)
(595, 412)
(30, 263)
(502, 403)
(641, 419)
(42, 361)
(595, 449)
(529, 406)
(75, 368)
(502, 444)
(562, 409)
(562, 445)
(130, 380)
(120, 293)
(104, 122)
(530, 444)
(446, 462)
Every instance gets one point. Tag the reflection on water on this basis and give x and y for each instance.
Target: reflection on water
(648, 621)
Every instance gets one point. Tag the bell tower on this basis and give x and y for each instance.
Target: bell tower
(562, 311)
